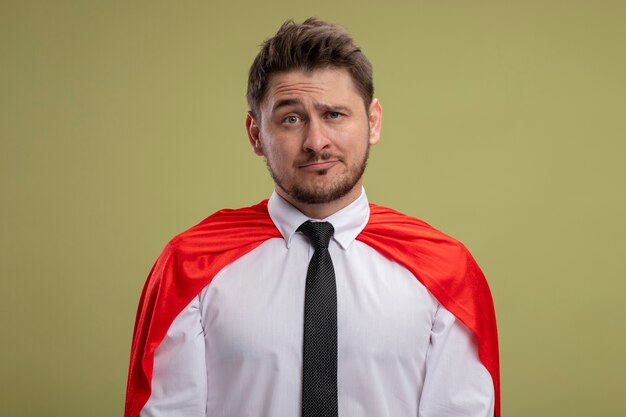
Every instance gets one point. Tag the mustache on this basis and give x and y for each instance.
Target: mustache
(320, 157)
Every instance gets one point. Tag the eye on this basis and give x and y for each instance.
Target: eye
(292, 120)
(334, 115)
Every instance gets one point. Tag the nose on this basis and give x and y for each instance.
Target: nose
(316, 138)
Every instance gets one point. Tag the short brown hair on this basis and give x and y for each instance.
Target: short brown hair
(312, 45)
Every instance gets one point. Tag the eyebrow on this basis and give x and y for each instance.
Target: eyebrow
(285, 103)
(297, 102)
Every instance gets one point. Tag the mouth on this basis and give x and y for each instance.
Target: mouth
(318, 165)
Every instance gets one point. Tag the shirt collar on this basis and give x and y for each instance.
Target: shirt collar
(348, 222)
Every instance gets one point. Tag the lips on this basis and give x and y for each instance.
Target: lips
(318, 165)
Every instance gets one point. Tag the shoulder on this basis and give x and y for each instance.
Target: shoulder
(382, 214)
(225, 229)
(411, 233)
(439, 261)
(390, 221)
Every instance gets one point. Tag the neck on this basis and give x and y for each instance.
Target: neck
(322, 210)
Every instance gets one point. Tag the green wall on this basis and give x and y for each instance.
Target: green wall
(121, 124)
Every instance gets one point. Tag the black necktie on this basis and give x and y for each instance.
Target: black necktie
(319, 359)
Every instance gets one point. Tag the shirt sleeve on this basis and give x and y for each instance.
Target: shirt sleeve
(179, 385)
(456, 384)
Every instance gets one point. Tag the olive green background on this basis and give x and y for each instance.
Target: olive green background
(121, 124)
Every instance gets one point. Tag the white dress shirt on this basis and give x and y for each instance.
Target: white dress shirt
(236, 349)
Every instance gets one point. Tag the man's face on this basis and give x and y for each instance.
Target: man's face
(314, 132)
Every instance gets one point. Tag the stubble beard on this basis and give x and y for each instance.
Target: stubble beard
(321, 194)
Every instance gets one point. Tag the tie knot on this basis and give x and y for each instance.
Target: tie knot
(319, 233)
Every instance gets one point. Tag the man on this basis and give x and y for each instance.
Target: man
(314, 303)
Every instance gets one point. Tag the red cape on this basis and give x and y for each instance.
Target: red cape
(191, 260)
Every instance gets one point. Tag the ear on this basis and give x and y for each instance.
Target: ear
(375, 121)
(254, 134)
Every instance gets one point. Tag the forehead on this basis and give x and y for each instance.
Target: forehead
(327, 86)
